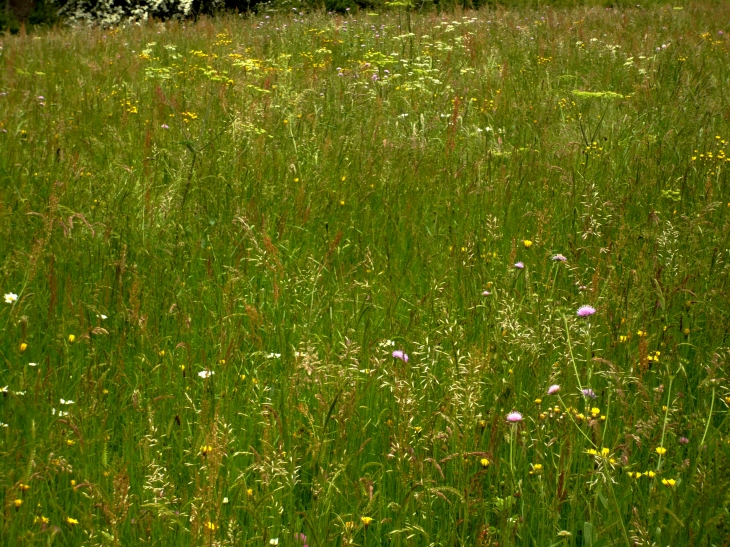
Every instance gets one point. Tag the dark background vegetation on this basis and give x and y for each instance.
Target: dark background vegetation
(29, 14)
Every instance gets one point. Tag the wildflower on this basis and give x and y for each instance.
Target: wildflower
(10, 298)
(274, 541)
(564, 534)
(585, 311)
(23, 487)
(519, 265)
(558, 258)
(634, 475)
(210, 526)
(537, 468)
(595, 411)
(399, 354)
(605, 452)
(486, 293)
(205, 450)
(366, 520)
(650, 474)
(592, 452)
(538, 401)
(669, 482)
(165, 126)
(23, 347)
(71, 521)
(71, 338)
(484, 462)
(302, 538)
(683, 440)
(206, 373)
(661, 450)
(42, 520)
(588, 393)
(553, 389)
(623, 338)
(514, 417)
(527, 243)
(32, 364)
(67, 402)
(18, 503)
(249, 492)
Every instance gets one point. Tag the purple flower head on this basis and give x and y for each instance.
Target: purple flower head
(375, 77)
(558, 258)
(519, 265)
(165, 126)
(588, 393)
(399, 354)
(301, 538)
(514, 417)
(553, 389)
(41, 98)
(585, 311)
(486, 293)
(683, 440)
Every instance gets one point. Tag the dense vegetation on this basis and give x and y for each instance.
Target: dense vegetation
(308, 279)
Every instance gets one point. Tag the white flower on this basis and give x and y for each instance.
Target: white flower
(4, 390)
(273, 355)
(10, 298)
(3, 424)
(206, 373)
(61, 413)
(32, 364)
(65, 402)
(225, 500)
(274, 541)
(102, 316)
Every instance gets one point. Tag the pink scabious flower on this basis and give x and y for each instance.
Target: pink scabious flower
(684, 440)
(559, 258)
(514, 417)
(398, 354)
(553, 389)
(585, 311)
(519, 265)
(486, 293)
(588, 393)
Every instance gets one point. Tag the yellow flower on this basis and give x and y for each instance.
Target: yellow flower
(210, 526)
(661, 450)
(70, 442)
(484, 462)
(249, 492)
(538, 401)
(622, 338)
(23, 487)
(18, 503)
(591, 452)
(23, 347)
(669, 482)
(162, 353)
(537, 467)
(650, 474)
(205, 450)
(595, 411)
(605, 452)
(71, 338)
(41, 519)
(71, 521)
(527, 243)
(366, 520)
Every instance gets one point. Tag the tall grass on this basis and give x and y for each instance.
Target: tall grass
(219, 233)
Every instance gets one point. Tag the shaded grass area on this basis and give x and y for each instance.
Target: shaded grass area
(216, 234)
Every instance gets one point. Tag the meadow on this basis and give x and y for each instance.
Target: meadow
(393, 278)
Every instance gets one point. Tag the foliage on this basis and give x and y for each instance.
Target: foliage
(220, 239)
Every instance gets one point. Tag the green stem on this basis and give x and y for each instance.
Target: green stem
(570, 349)
(709, 418)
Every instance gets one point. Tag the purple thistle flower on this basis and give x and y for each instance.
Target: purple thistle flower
(559, 258)
(585, 311)
(519, 265)
(553, 389)
(588, 393)
(399, 354)
(514, 417)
